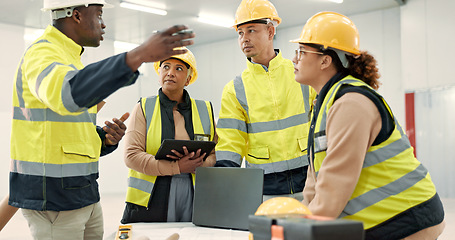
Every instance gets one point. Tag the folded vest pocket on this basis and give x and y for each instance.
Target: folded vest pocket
(78, 171)
(259, 152)
(303, 143)
(79, 149)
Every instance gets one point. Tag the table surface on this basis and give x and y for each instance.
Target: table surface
(186, 231)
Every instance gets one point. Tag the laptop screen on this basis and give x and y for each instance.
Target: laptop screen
(225, 196)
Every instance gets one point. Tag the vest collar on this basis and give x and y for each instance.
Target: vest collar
(274, 63)
(54, 35)
(168, 103)
(336, 78)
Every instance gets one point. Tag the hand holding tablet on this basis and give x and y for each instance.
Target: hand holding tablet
(192, 146)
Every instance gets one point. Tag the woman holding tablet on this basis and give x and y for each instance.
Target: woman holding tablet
(162, 190)
(362, 166)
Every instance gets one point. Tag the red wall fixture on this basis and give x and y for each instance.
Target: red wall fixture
(410, 120)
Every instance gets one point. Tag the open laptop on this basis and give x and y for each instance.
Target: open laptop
(224, 197)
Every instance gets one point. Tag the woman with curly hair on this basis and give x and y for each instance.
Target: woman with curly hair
(362, 166)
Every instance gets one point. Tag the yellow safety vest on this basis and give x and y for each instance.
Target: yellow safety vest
(264, 118)
(392, 180)
(140, 185)
(54, 145)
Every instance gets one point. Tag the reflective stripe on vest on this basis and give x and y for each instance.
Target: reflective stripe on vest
(140, 185)
(54, 170)
(264, 127)
(280, 166)
(259, 127)
(231, 156)
(40, 114)
(380, 194)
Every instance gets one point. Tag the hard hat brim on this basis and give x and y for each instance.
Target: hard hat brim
(105, 5)
(277, 19)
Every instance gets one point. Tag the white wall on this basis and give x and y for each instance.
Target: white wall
(427, 33)
(427, 30)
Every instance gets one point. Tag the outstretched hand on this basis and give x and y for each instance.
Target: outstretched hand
(116, 130)
(161, 45)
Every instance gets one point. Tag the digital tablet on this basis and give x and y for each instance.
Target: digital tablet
(168, 144)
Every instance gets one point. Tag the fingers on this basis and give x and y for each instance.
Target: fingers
(182, 38)
(116, 127)
(173, 157)
(119, 123)
(197, 154)
(115, 131)
(178, 39)
(111, 140)
(199, 159)
(196, 157)
(112, 137)
(111, 128)
(181, 41)
(185, 150)
(125, 116)
(177, 154)
(161, 45)
(174, 29)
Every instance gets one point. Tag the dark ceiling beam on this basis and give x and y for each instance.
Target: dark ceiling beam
(401, 2)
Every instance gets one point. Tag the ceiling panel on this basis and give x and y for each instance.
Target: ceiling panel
(133, 26)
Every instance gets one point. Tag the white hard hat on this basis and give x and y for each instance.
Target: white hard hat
(59, 4)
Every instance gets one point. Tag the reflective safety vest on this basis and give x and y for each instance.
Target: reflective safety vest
(54, 145)
(140, 185)
(392, 180)
(264, 118)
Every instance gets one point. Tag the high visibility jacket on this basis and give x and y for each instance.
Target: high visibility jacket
(140, 186)
(392, 180)
(54, 149)
(55, 146)
(264, 119)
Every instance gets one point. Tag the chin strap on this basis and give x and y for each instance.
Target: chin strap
(342, 56)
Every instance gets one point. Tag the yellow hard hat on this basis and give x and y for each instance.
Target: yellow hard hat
(187, 58)
(331, 29)
(282, 205)
(250, 10)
